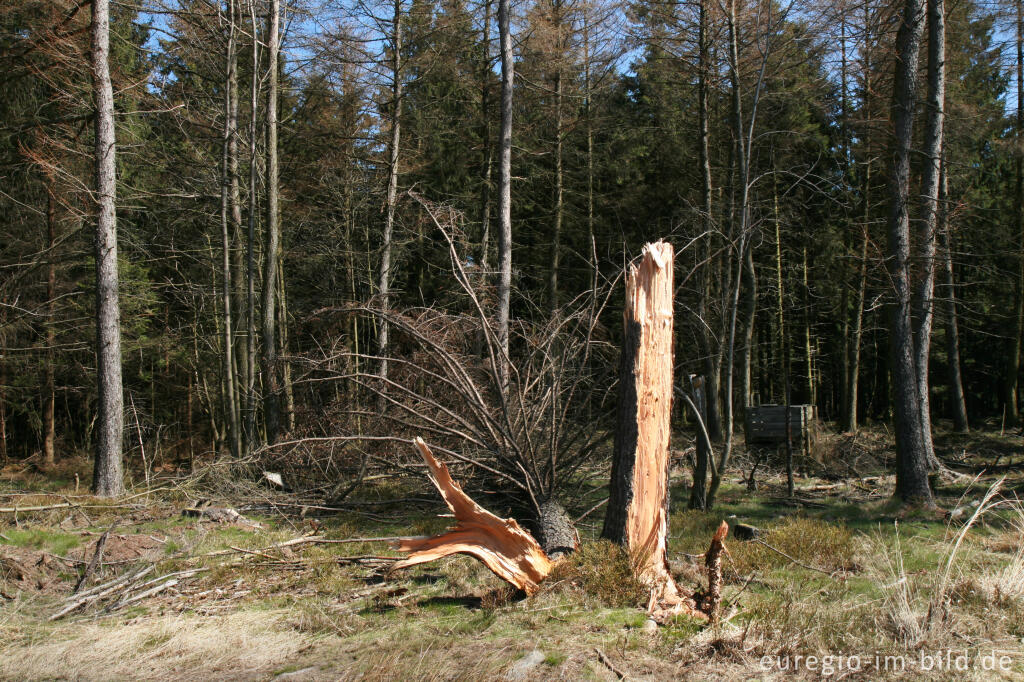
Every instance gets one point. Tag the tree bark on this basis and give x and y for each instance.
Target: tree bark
(698, 494)
(231, 406)
(270, 259)
(384, 283)
(956, 386)
(1010, 378)
(749, 316)
(637, 514)
(556, 242)
(237, 267)
(107, 472)
(932, 151)
(505, 192)
(911, 453)
(740, 240)
(485, 134)
(713, 360)
(250, 251)
(49, 390)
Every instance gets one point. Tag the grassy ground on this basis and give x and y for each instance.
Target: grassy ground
(842, 575)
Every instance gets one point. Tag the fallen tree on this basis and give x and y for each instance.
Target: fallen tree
(638, 507)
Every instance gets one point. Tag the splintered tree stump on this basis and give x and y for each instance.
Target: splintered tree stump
(505, 548)
(638, 505)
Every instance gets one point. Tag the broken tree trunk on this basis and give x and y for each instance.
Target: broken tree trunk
(638, 507)
(505, 548)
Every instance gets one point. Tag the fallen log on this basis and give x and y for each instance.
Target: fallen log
(501, 544)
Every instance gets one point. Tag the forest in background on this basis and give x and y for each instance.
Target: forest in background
(296, 180)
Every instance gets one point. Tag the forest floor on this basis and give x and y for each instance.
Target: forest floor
(843, 584)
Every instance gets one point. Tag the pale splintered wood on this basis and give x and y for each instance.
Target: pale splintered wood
(639, 519)
(505, 548)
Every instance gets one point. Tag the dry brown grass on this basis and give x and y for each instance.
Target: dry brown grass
(239, 645)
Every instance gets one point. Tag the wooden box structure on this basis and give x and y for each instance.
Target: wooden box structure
(766, 425)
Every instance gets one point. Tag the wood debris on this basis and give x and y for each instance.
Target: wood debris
(501, 544)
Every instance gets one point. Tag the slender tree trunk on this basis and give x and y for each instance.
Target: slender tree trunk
(270, 259)
(749, 317)
(932, 152)
(485, 134)
(1010, 379)
(237, 265)
(556, 242)
(740, 239)
(698, 494)
(505, 191)
(783, 344)
(230, 407)
(712, 346)
(911, 452)
(850, 416)
(844, 136)
(812, 392)
(107, 473)
(286, 365)
(384, 284)
(250, 251)
(3, 392)
(49, 390)
(589, 123)
(956, 386)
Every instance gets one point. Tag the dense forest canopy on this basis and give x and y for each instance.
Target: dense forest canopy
(756, 136)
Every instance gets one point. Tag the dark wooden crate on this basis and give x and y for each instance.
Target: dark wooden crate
(766, 425)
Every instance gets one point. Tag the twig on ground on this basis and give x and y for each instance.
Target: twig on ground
(798, 563)
(97, 558)
(98, 592)
(608, 664)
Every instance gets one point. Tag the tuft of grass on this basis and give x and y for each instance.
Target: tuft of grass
(817, 543)
(554, 658)
(603, 570)
(1005, 584)
(53, 541)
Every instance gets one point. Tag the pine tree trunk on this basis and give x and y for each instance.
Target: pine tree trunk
(250, 251)
(485, 134)
(712, 352)
(239, 302)
(911, 453)
(749, 317)
(107, 472)
(49, 390)
(932, 152)
(270, 260)
(231, 406)
(640, 460)
(956, 386)
(556, 241)
(384, 283)
(505, 192)
(1012, 371)
(637, 514)
(698, 494)
(740, 237)
(286, 365)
